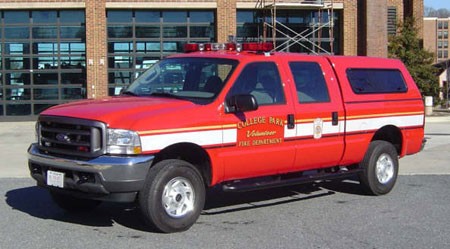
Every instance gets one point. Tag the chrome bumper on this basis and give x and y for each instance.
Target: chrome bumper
(113, 178)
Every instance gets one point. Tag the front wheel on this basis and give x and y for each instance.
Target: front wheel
(380, 168)
(173, 196)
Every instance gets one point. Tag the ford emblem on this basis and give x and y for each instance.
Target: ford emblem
(63, 137)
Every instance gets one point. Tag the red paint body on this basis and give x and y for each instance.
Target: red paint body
(258, 143)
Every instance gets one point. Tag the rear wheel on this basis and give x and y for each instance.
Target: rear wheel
(173, 196)
(73, 204)
(380, 168)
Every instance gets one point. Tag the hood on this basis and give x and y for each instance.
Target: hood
(119, 112)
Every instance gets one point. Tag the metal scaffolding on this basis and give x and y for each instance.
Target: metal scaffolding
(311, 38)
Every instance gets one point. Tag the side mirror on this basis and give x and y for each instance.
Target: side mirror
(241, 103)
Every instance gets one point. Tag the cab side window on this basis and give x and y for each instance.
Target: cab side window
(309, 82)
(262, 80)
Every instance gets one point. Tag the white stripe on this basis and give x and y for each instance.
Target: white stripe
(377, 123)
(307, 129)
(229, 136)
(161, 141)
(289, 132)
(226, 136)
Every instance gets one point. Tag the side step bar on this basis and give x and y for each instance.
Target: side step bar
(284, 180)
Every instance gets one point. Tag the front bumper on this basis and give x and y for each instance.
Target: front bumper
(109, 178)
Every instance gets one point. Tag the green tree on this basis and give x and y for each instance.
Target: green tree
(407, 47)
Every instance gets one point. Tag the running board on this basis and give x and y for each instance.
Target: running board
(284, 180)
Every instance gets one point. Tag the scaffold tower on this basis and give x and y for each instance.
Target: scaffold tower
(311, 39)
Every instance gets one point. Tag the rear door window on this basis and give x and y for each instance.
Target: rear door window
(309, 82)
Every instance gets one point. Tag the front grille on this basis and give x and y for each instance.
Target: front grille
(71, 136)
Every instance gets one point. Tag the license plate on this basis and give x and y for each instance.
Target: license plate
(55, 179)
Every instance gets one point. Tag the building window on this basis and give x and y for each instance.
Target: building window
(43, 54)
(292, 23)
(442, 24)
(392, 20)
(139, 38)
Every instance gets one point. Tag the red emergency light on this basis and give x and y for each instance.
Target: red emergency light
(254, 46)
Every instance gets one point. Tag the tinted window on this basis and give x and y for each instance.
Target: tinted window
(261, 80)
(376, 81)
(196, 79)
(71, 16)
(16, 17)
(309, 82)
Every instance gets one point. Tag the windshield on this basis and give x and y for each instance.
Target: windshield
(196, 79)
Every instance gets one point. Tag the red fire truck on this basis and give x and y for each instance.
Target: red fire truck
(233, 115)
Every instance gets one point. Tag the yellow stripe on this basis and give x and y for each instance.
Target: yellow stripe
(385, 115)
(310, 120)
(297, 121)
(211, 127)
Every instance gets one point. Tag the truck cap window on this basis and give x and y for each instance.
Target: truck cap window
(195, 79)
(365, 81)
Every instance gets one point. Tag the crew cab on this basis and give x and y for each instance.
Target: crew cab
(232, 115)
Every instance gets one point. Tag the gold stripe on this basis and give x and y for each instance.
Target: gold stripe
(362, 116)
(297, 121)
(311, 120)
(199, 128)
(385, 115)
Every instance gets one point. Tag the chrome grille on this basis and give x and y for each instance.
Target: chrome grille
(71, 136)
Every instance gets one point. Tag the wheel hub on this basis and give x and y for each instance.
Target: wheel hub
(178, 197)
(384, 169)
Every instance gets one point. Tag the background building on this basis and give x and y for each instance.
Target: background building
(436, 38)
(53, 52)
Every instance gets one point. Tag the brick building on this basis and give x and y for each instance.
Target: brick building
(58, 51)
(436, 38)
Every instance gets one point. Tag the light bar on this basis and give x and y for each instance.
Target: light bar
(251, 47)
(254, 46)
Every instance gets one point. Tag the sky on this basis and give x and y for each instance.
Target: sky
(437, 4)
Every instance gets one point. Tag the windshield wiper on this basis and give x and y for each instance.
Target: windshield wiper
(129, 93)
(165, 94)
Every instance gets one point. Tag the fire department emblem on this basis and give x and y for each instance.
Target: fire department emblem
(318, 128)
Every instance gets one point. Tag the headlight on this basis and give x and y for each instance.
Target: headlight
(123, 142)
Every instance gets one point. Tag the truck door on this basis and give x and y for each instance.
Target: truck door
(260, 147)
(319, 116)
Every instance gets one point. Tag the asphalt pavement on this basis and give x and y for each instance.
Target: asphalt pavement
(327, 214)
(15, 137)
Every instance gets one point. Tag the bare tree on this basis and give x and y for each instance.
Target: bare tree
(440, 13)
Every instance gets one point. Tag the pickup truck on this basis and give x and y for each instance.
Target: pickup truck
(231, 115)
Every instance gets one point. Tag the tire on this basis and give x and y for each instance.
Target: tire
(73, 204)
(380, 168)
(173, 196)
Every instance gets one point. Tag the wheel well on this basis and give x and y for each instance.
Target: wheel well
(191, 153)
(391, 134)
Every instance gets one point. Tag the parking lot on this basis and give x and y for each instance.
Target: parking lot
(329, 214)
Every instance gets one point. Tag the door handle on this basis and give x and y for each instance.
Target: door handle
(290, 121)
(334, 118)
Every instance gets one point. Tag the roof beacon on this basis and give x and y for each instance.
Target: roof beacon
(231, 46)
